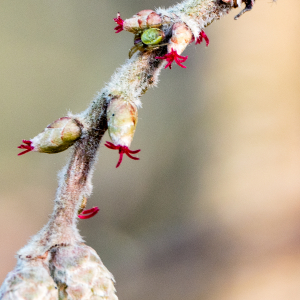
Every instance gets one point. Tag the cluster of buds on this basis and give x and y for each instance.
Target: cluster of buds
(121, 120)
(147, 27)
(57, 137)
(62, 272)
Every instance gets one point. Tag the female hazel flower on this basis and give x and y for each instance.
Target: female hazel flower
(181, 37)
(121, 121)
(120, 22)
(57, 137)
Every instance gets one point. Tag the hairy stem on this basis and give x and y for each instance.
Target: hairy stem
(129, 82)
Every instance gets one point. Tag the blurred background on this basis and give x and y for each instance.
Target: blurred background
(212, 209)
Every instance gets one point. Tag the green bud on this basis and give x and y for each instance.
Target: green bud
(152, 36)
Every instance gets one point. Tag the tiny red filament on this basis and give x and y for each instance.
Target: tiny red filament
(27, 146)
(173, 55)
(202, 35)
(122, 150)
(88, 213)
(120, 22)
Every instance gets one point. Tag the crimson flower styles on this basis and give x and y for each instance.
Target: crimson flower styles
(120, 23)
(122, 150)
(27, 146)
(88, 213)
(202, 35)
(173, 55)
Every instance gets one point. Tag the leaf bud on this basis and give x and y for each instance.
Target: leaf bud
(80, 274)
(30, 280)
(121, 121)
(57, 137)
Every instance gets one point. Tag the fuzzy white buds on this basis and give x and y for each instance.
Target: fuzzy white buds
(30, 280)
(57, 137)
(80, 274)
(64, 272)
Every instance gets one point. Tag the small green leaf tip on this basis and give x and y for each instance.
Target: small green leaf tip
(152, 36)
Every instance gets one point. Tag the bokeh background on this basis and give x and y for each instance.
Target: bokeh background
(212, 209)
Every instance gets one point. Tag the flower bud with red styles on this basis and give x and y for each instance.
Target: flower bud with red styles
(57, 137)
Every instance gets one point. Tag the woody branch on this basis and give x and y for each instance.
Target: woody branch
(44, 255)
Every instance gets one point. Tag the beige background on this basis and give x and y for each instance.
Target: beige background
(212, 209)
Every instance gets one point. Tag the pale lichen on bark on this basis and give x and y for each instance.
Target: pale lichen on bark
(55, 262)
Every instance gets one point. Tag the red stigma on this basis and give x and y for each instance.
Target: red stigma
(173, 55)
(88, 213)
(122, 150)
(27, 146)
(202, 35)
(120, 22)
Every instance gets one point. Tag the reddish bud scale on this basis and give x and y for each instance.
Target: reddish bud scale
(142, 20)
